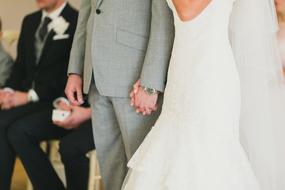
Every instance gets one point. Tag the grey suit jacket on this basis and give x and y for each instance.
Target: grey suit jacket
(6, 64)
(127, 41)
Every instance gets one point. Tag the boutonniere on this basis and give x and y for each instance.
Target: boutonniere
(59, 26)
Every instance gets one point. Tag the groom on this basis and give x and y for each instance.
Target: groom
(119, 43)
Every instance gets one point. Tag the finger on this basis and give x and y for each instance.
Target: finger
(132, 103)
(79, 95)
(155, 108)
(7, 104)
(58, 123)
(61, 124)
(3, 105)
(148, 111)
(136, 87)
(138, 111)
(6, 107)
(136, 102)
(70, 93)
(141, 109)
(139, 100)
(12, 102)
(137, 84)
(136, 90)
(132, 94)
(133, 99)
(55, 122)
(65, 107)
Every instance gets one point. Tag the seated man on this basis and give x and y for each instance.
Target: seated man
(76, 140)
(38, 76)
(6, 61)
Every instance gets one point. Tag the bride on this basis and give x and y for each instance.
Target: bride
(195, 143)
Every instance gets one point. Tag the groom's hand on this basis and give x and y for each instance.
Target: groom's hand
(2, 95)
(143, 102)
(135, 90)
(73, 89)
(20, 99)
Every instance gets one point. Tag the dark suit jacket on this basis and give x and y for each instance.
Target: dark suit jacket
(49, 76)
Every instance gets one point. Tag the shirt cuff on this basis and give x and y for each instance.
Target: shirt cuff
(33, 96)
(7, 89)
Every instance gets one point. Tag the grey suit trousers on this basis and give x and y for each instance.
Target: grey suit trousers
(118, 132)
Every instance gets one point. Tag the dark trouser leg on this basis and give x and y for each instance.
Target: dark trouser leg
(7, 154)
(7, 158)
(73, 149)
(25, 136)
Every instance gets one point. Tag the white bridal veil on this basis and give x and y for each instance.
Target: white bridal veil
(253, 36)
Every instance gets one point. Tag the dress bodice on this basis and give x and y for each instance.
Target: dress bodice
(213, 20)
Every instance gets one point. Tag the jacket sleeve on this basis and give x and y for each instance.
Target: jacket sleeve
(18, 71)
(159, 48)
(76, 62)
(5, 69)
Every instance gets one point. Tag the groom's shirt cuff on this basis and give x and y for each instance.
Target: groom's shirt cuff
(33, 96)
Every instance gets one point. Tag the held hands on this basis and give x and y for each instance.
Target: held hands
(20, 98)
(142, 101)
(11, 99)
(73, 90)
(6, 99)
(78, 116)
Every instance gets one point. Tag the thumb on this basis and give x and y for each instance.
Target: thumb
(70, 93)
(136, 85)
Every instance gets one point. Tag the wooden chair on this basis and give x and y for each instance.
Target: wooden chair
(95, 180)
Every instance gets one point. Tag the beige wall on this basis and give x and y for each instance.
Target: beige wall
(13, 11)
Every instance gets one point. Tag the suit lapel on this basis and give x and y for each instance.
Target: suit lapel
(99, 3)
(47, 44)
(33, 30)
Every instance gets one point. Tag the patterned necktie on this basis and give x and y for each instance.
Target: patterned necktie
(44, 28)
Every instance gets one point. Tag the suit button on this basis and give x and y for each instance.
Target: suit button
(98, 11)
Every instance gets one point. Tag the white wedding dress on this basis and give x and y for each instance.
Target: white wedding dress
(195, 142)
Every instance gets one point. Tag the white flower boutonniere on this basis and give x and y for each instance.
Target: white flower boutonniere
(59, 26)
